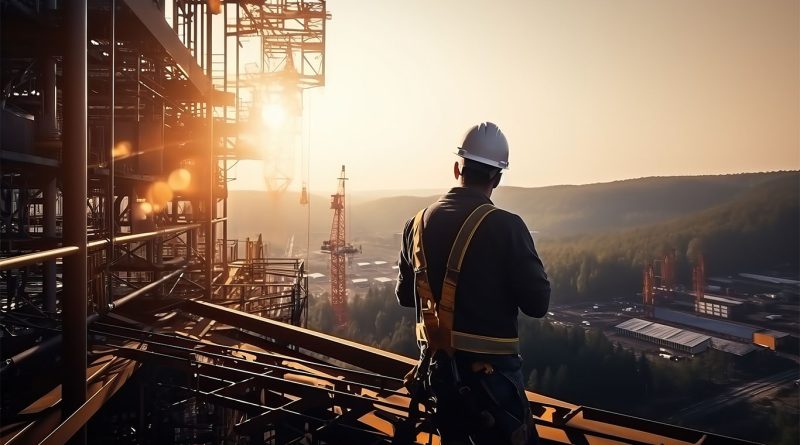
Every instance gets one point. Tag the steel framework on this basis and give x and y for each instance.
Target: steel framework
(116, 133)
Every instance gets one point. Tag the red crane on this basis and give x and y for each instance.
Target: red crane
(339, 249)
(648, 294)
(699, 275)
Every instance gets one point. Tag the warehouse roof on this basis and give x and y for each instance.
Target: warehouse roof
(775, 334)
(707, 324)
(768, 279)
(721, 299)
(663, 332)
(731, 347)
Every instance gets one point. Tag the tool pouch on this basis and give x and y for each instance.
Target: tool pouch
(455, 395)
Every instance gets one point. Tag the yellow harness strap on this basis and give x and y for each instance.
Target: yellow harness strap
(436, 327)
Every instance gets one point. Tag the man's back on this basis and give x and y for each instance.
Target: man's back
(501, 270)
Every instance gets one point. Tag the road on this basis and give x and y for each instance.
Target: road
(739, 393)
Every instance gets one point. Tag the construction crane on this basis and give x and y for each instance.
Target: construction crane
(699, 278)
(339, 249)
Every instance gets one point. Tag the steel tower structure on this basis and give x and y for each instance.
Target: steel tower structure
(291, 36)
(338, 246)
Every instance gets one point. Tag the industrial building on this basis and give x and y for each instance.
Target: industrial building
(128, 314)
(719, 306)
(667, 336)
(773, 340)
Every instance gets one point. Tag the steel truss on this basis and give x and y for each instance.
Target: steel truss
(113, 180)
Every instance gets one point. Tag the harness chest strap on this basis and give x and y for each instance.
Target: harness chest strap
(436, 327)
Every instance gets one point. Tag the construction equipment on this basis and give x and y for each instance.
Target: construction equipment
(338, 248)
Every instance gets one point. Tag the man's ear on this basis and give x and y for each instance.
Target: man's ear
(456, 171)
(496, 180)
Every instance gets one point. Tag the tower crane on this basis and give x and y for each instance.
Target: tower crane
(338, 248)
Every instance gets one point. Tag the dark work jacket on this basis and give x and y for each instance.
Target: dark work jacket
(500, 274)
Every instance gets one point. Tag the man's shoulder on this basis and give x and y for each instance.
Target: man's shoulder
(502, 217)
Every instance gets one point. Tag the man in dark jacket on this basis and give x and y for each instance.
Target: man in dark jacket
(500, 274)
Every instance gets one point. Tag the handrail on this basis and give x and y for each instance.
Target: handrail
(60, 252)
(36, 257)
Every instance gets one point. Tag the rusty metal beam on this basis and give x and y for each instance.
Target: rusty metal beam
(297, 388)
(363, 356)
(153, 20)
(78, 419)
(50, 428)
(145, 289)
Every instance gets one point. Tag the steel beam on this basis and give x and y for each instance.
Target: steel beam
(111, 216)
(48, 428)
(211, 202)
(75, 423)
(49, 194)
(363, 356)
(144, 236)
(153, 20)
(145, 289)
(75, 295)
(18, 261)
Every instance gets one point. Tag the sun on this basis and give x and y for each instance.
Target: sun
(273, 115)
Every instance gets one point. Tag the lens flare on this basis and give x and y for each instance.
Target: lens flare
(141, 210)
(179, 179)
(121, 150)
(158, 195)
(215, 6)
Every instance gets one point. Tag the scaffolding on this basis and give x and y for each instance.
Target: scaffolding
(116, 145)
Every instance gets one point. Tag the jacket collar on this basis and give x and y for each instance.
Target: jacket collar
(467, 193)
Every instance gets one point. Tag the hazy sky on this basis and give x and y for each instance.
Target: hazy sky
(586, 91)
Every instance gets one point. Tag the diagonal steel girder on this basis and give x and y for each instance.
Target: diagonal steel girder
(357, 354)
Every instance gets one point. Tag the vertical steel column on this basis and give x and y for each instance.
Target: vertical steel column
(195, 34)
(75, 163)
(175, 16)
(50, 195)
(111, 217)
(48, 131)
(225, 143)
(212, 177)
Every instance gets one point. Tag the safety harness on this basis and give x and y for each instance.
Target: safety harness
(435, 331)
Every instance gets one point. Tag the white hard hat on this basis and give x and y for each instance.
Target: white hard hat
(485, 143)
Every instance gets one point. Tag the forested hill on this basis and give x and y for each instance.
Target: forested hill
(757, 229)
(553, 212)
(568, 210)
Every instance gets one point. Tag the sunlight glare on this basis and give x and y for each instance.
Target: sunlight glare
(179, 179)
(273, 115)
(159, 194)
(121, 150)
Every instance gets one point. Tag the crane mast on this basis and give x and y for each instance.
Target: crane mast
(339, 250)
